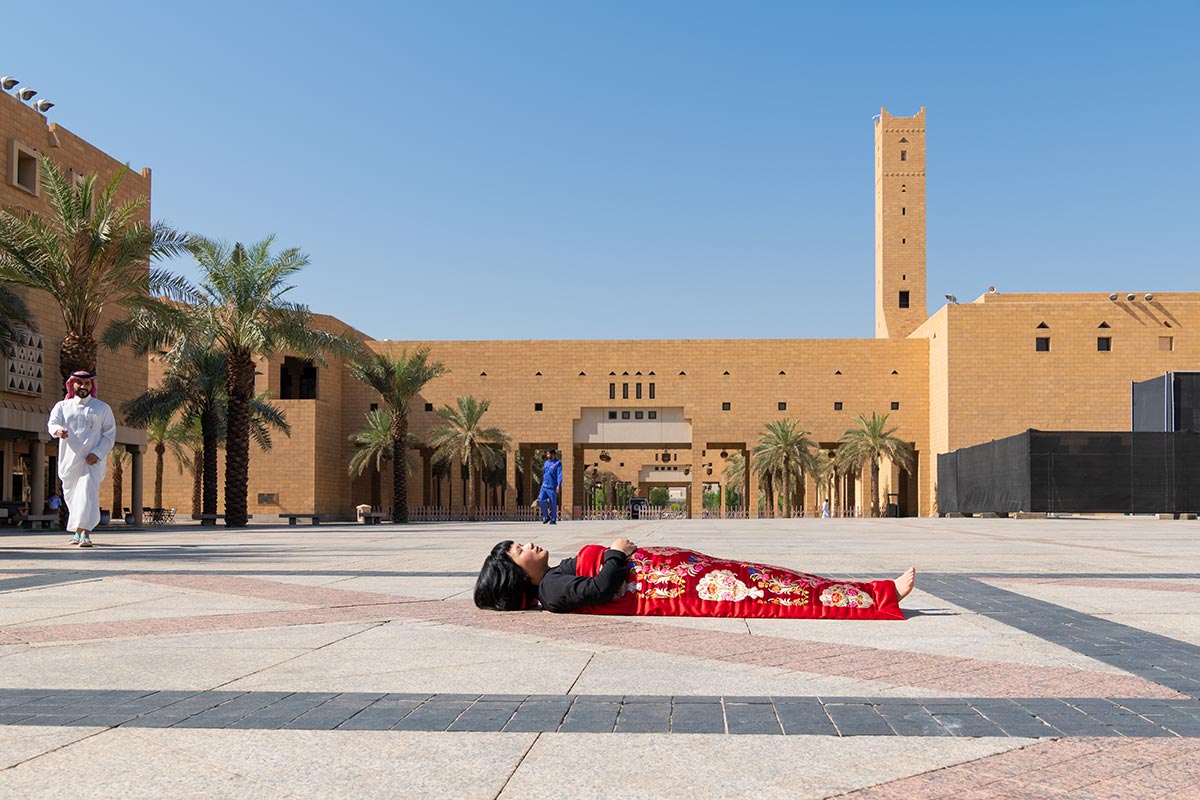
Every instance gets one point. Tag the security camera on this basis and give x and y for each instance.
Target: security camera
(1149, 297)
(25, 93)
(1131, 297)
(43, 105)
(8, 82)
(1113, 297)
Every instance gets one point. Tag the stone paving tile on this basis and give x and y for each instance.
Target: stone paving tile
(1104, 768)
(539, 715)
(647, 717)
(591, 717)
(434, 715)
(751, 718)
(702, 717)
(485, 716)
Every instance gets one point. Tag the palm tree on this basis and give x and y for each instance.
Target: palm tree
(13, 314)
(824, 472)
(194, 388)
(89, 252)
(186, 441)
(462, 436)
(783, 454)
(866, 443)
(158, 431)
(373, 445)
(240, 301)
(398, 380)
(735, 475)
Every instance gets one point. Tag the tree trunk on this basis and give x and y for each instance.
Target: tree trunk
(118, 483)
(208, 432)
(874, 487)
(76, 352)
(769, 491)
(239, 388)
(787, 488)
(399, 467)
(197, 480)
(159, 449)
(471, 516)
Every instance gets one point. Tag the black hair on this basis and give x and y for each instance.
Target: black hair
(502, 585)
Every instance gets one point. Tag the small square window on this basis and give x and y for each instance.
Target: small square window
(429, 406)
(724, 406)
(895, 406)
(1166, 343)
(374, 406)
(24, 168)
(783, 406)
(652, 415)
(624, 415)
(1104, 344)
(904, 299)
(1043, 344)
(612, 415)
(837, 405)
(638, 415)
(537, 406)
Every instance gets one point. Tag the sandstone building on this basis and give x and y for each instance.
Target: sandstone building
(671, 413)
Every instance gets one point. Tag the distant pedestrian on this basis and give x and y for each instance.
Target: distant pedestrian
(825, 509)
(54, 503)
(86, 431)
(551, 493)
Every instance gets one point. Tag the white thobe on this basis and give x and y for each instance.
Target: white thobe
(90, 428)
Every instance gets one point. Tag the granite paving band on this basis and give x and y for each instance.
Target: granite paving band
(1161, 659)
(827, 716)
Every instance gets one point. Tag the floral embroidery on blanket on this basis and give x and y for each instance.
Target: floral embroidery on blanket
(722, 585)
(842, 595)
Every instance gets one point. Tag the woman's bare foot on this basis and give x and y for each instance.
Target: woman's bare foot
(904, 584)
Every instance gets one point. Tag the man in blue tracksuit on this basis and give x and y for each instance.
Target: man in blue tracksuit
(551, 488)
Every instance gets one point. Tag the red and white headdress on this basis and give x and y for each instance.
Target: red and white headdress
(81, 375)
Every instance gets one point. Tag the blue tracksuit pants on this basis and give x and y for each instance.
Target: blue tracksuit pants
(548, 503)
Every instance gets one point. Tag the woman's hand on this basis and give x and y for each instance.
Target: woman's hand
(624, 545)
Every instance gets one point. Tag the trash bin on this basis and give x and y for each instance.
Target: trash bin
(362, 510)
(893, 510)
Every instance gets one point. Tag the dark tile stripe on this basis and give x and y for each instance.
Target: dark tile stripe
(830, 716)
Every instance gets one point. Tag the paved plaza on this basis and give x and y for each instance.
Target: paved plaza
(1041, 659)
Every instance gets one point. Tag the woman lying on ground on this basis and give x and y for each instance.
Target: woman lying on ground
(668, 581)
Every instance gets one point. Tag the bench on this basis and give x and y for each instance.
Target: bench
(291, 518)
(42, 521)
(373, 517)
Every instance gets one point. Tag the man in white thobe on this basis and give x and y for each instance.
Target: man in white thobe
(86, 431)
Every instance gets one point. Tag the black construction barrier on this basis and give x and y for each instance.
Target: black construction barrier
(1075, 472)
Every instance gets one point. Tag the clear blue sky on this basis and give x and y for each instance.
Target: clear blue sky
(666, 169)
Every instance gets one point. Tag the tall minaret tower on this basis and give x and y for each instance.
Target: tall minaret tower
(899, 224)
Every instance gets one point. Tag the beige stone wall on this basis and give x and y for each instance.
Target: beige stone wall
(1000, 385)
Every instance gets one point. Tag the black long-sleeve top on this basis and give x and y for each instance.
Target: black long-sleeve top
(562, 591)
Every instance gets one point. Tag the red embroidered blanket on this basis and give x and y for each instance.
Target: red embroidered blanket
(671, 582)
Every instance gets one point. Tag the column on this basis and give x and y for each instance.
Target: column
(721, 493)
(135, 500)
(426, 477)
(572, 473)
(696, 495)
(510, 482)
(812, 503)
(9, 461)
(37, 480)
